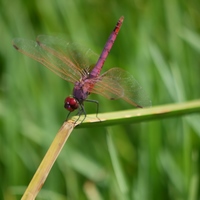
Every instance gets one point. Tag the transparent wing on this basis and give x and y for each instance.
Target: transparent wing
(64, 59)
(117, 83)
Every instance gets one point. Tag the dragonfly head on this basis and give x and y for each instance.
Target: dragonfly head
(71, 104)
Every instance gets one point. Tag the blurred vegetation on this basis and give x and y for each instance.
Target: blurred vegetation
(159, 44)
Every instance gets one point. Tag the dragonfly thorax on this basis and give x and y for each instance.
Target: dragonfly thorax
(82, 89)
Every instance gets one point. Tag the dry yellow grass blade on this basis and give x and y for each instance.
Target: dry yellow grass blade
(43, 170)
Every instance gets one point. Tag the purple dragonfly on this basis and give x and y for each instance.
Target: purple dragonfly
(67, 61)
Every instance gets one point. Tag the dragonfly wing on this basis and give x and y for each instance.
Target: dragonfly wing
(117, 83)
(49, 59)
(107, 87)
(60, 58)
(81, 56)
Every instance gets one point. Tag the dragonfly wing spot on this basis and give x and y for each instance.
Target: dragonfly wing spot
(15, 47)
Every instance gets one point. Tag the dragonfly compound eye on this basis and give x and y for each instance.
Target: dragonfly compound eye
(71, 104)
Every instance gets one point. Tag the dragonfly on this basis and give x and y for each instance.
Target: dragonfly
(74, 65)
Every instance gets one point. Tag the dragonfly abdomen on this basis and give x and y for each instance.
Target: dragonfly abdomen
(96, 70)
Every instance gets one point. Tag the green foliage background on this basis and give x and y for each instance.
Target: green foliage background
(159, 44)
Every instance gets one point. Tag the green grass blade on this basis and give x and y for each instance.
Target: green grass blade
(140, 115)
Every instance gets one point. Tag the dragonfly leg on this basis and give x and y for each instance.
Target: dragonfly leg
(97, 104)
(80, 112)
(76, 114)
(83, 112)
(68, 116)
